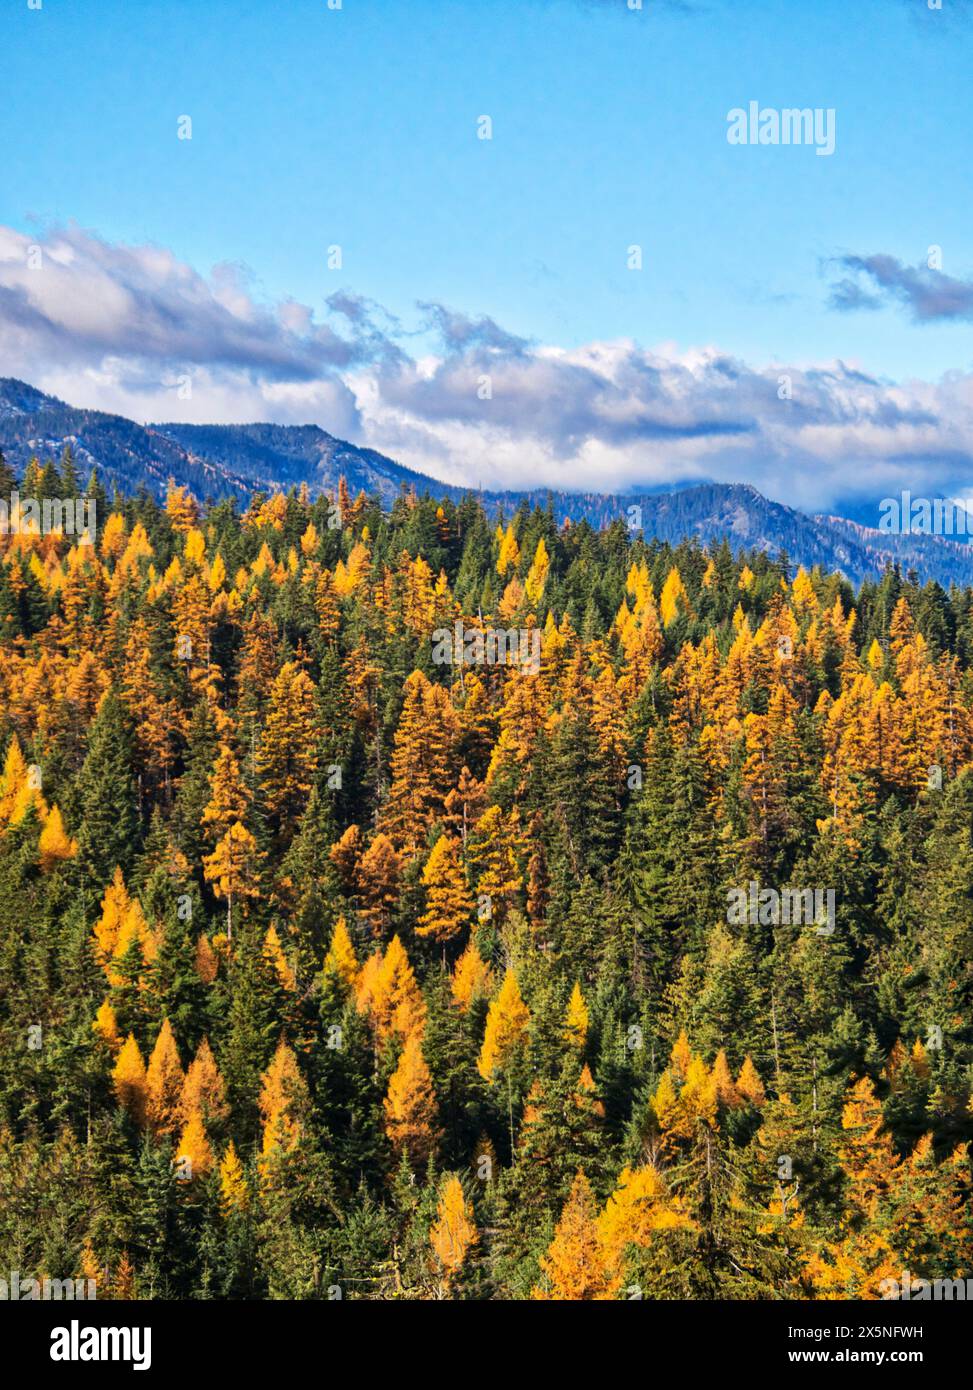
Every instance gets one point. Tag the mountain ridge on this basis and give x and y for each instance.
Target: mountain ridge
(222, 460)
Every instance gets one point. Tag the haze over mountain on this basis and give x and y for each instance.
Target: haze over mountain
(217, 461)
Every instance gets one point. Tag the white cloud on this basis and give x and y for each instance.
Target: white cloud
(117, 327)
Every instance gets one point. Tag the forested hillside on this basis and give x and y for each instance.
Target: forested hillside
(329, 969)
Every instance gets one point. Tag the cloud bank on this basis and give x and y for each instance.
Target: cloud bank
(124, 328)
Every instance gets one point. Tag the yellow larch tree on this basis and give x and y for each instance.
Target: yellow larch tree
(472, 978)
(232, 868)
(449, 904)
(493, 849)
(194, 1157)
(421, 761)
(234, 1192)
(181, 508)
(341, 959)
(287, 759)
(508, 553)
(273, 954)
(576, 1018)
(506, 1026)
(114, 907)
(105, 1025)
(575, 1268)
(228, 800)
(129, 1080)
(639, 1206)
(673, 600)
(203, 1091)
(55, 846)
(410, 1105)
(164, 1083)
(454, 1232)
(537, 574)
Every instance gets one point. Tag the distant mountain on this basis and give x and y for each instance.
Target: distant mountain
(213, 460)
(749, 520)
(223, 460)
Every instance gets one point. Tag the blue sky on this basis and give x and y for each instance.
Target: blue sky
(313, 127)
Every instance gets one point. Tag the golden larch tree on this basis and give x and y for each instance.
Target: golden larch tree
(449, 904)
(576, 1018)
(128, 1079)
(194, 1156)
(454, 1232)
(506, 1025)
(472, 978)
(575, 1267)
(287, 759)
(203, 1092)
(234, 1192)
(164, 1083)
(341, 959)
(410, 1105)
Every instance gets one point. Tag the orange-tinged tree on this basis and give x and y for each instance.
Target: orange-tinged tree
(575, 1267)
(576, 1018)
(726, 1091)
(449, 904)
(193, 1154)
(287, 759)
(203, 1091)
(129, 1080)
(341, 959)
(389, 993)
(749, 1084)
(164, 1083)
(345, 854)
(454, 1232)
(410, 1105)
(506, 1026)
(283, 1101)
(378, 877)
(234, 1192)
(472, 978)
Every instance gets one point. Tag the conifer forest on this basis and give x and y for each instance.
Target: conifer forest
(417, 901)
